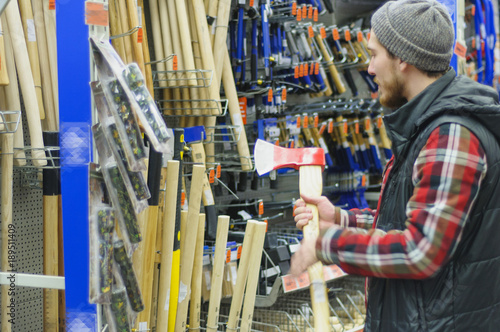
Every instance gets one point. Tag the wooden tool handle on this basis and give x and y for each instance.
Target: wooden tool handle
(123, 25)
(168, 243)
(133, 21)
(50, 32)
(185, 38)
(253, 276)
(13, 99)
(217, 273)
(219, 44)
(311, 184)
(115, 29)
(145, 51)
(31, 44)
(4, 76)
(7, 225)
(187, 251)
(195, 305)
(51, 116)
(386, 142)
(235, 113)
(334, 74)
(241, 279)
(26, 82)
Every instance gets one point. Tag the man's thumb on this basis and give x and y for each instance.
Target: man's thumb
(312, 200)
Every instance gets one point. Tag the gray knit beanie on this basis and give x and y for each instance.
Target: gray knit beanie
(419, 32)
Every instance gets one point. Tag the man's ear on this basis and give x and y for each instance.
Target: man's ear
(403, 66)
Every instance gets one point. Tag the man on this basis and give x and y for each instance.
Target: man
(431, 249)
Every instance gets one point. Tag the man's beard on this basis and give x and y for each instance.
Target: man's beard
(392, 97)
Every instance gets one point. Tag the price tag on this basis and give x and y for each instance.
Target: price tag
(183, 198)
(301, 70)
(211, 176)
(305, 123)
(311, 70)
(460, 50)
(283, 95)
(316, 69)
(298, 122)
(299, 15)
(322, 129)
(270, 96)
(379, 122)
(316, 121)
(238, 255)
(251, 3)
(296, 72)
(346, 129)
(363, 180)
(96, 13)
(228, 255)
(261, 208)
(139, 35)
(310, 31)
(52, 4)
(335, 33)
(360, 36)
(367, 123)
(218, 171)
(289, 283)
(356, 127)
(304, 12)
(294, 8)
(175, 63)
(267, 224)
(347, 35)
(330, 126)
(243, 109)
(306, 68)
(315, 15)
(322, 32)
(310, 12)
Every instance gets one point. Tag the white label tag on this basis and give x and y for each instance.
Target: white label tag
(31, 30)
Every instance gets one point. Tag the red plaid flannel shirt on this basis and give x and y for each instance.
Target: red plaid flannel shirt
(454, 161)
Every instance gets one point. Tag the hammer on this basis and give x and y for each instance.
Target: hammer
(310, 162)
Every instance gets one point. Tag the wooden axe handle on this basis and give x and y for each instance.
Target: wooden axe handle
(26, 83)
(195, 305)
(13, 99)
(331, 67)
(145, 50)
(115, 29)
(253, 277)
(51, 116)
(168, 243)
(185, 39)
(219, 44)
(4, 76)
(31, 44)
(50, 32)
(187, 255)
(121, 8)
(241, 279)
(311, 184)
(235, 113)
(7, 225)
(211, 8)
(217, 273)
(133, 21)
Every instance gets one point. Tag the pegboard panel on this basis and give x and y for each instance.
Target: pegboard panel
(28, 220)
(27, 216)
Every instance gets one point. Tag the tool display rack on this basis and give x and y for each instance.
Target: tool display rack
(76, 120)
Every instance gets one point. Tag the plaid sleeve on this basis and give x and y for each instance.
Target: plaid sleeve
(447, 176)
(355, 218)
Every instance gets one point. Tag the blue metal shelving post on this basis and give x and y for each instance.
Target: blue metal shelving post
(75, 124)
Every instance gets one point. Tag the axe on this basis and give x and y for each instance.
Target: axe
(310, 163)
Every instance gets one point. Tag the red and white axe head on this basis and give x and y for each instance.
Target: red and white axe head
(269, 157)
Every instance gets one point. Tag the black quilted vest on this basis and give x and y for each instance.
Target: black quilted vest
(464, 295)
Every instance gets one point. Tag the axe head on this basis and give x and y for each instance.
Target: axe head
(269, 157)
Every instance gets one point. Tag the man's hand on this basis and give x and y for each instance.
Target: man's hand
(304, 257)
(303, 214)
